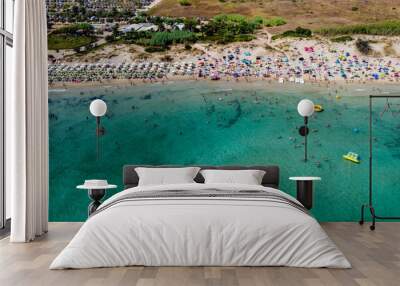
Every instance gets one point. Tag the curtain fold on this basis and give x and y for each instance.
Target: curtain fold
(27, 124)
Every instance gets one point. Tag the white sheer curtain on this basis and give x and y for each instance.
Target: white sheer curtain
(27, 124)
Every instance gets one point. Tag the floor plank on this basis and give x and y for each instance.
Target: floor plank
(375, 257)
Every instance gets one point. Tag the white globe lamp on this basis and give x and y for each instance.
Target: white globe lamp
(305, 108)
(98, 108)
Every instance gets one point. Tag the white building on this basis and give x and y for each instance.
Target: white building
(141, 27)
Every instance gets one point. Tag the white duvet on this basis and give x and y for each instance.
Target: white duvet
(202, 232)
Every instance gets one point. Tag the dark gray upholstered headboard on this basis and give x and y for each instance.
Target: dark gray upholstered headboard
(271, 178)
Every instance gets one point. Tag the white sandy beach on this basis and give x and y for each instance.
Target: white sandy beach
(315, 60)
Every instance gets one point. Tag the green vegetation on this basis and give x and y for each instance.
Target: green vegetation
(227, 28)
(273, 22)
(71, 37)
(185, 2)
(234, 24)
(61, 42)
(298, 33)
(384, 28)
(158, 41)
(79, 13)
(165, 39)
(239, 24)
(81, 29)
(342, 39)
(224, 28)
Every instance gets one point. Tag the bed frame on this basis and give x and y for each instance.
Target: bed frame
(271, 177)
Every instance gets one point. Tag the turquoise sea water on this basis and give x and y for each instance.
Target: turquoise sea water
(222, 123)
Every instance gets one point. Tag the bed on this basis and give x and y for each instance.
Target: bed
(199, 224)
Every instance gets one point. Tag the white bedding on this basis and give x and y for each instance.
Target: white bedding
(200, 231)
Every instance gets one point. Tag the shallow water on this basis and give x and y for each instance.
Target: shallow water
(227, 123)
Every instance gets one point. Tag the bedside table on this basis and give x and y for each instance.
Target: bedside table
(305, 190)
(96, 191)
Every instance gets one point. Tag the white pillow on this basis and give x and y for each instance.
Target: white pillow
(247, 177)
(166, 176)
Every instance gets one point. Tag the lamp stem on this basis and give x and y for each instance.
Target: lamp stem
(305, 138)
(97, 137)
(97, 125)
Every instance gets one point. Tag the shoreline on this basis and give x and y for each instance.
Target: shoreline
(269, 81)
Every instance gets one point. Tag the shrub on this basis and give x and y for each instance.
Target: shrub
(81, 28)
(342, 39)
(167, 58)
(153, 49)
(298, 33)
(110, 38)
(185, 2)
(363, 46)
(273, 22)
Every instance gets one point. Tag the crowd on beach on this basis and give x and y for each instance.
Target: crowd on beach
(306, 65)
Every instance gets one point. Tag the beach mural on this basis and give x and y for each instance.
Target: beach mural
(217, 82)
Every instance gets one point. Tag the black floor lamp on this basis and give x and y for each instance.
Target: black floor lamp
(305, 109)
(370, 201)
(98, 109)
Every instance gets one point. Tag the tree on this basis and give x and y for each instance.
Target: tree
(110, 38)
(115, 30)
(75, 10)
(190, 24)
(114, 12)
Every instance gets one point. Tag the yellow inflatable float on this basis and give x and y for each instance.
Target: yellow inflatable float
(352, 157)
(318, 108)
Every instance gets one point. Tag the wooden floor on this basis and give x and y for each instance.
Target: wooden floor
(375, 257)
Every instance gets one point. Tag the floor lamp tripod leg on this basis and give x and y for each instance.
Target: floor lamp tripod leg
(372, 227)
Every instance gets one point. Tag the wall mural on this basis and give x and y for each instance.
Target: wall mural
(218, 82)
